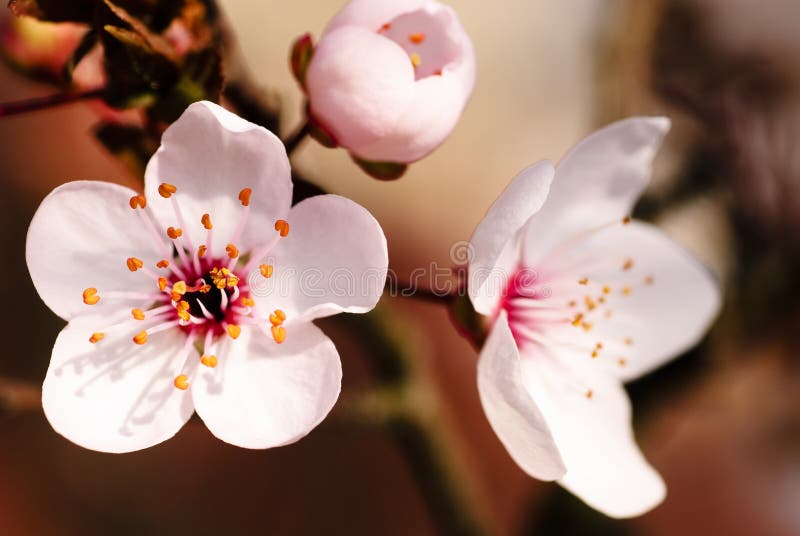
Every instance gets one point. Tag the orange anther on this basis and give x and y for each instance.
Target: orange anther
(97, 337)
(437, 72)
(134, 263)
(247, 302)
(417, 38)
(244, 196)
(234, 331)
(166, 190)
(184, 315)
(266, 270)
(179, 287)
(385, 27)
(282, 226)
(174, 233)
(626, 220)
(577, 320)
(232, 251)
(181, 382)
(163, 263)
(201, 251)
(137, 313)
(140, 338)
(162, 284)
(589, 393)
(584, 281)
(206, 221)
(606, 289)
(90, 296)
(279, 333)
(277, 317)
(209, 360)
(628, 264)
(204, 289)
(622, 361)
(595, 353)
(138, 201)
(628, 341)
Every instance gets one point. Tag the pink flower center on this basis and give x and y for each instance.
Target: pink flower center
(203, 296)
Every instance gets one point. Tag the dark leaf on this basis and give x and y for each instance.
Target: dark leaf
(54, 10)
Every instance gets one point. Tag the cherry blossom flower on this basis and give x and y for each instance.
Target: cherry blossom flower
(164, 293)
(582, 299)
(389, 79)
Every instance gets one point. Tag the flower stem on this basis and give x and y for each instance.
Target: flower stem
(50, 101)
(296, 138)
(19, 396)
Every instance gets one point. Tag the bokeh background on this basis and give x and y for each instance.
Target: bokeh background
(722, 423)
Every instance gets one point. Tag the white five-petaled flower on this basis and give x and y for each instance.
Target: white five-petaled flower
(582, 299)
(390, 78)
(163, 293)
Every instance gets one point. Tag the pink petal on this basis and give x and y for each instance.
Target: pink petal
(589, 416)
(372, 14)
(597, 182)
(511, 411)
(210, 155)
(333, 260)
(81, 236)
(264, 394)
(495, 251)
(115, 396)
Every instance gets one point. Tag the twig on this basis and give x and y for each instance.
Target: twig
(296, 138)
(50, 101)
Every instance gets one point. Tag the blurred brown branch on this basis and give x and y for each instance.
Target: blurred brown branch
(50, 101)
(17, 396)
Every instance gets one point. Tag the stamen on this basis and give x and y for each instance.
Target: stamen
(166, 190)
(209, 360)
(138, 201)
(201, 251)
(163, 263)
(416, 60)
(140, 338)
(385, 27)
(233, 331)
(626, 291)
(584, 281)
(626, 220)
(247, 302)
(628, 264)
(134, 263)
(179, 287)
(278, 333)
(589, 393)
(138, 314)
(622, 361)
(266, 270)
(417, 38)
(232, 251)
(162, 283)
(244, 196)
(181, 382)
(174, 233)
(282, 226)
(206, 221)
(90, 296)
(277, 317)
(205, 311)
(649, 280)
(97, 337)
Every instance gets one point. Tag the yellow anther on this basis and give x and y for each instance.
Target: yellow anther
(233, 331)
(174, 232)
(134, 263)
(416, 60)
(584, 281)
(247, 302)
(162, 284)
(590, 303)
(201, 251)
(599, 345)
(626, 291)
(622, 361)
(577, 320)
(628, 264)
(626, 220)
(279, 333)
(140, 338)
(589, 393)
(277, 317)
(282, 226)
(182, 305)
(181, 382)
(163, 263)
(137, 313)
(606, 289)
(179, 287)
(244, 196)
(595, 353)
(628, 341)
(138, 201)
(209, 360)
(97, 337)
(587, 326)
(90, 296)
(166, 190)
(266, 270)
(649, 280)
(204, 289)
(232, 251)
(417, 38)
(206, 221)
(184, 315)
(222, 277)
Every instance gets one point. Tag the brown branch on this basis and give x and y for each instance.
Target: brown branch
(50, 101)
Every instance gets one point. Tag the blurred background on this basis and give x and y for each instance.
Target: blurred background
(721, 424)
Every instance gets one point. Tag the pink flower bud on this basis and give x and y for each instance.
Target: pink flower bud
(37, 46)
(389, 79)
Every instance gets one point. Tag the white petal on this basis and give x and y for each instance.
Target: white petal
(662, 317)
(372, 14)
(511, 411)
(333, 260)
(210, 155)
(115, 396)
(597, 182)
(594, 436)
(495, 252)
(81, 236)
(264, 394)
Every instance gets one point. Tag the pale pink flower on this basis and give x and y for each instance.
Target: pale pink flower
(390, 78)
(167, 297)
(582, 299)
